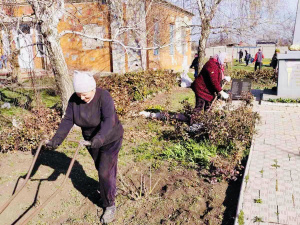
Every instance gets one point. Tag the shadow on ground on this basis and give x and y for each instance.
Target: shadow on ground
(59, 162)
(232, 197)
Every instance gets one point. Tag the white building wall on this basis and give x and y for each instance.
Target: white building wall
(268, 51)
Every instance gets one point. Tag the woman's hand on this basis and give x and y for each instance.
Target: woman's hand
(96, 142)
(53, 143)
(224, 94)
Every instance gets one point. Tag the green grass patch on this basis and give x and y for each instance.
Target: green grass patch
(21, 96)
(12, 94)
(154, 108)
(260, 79)
(13, 111)
(285, 100)
(49, 98)
(242, 66)
(177, 98)
(191, 152)
(241, 220)
(259, 201)
(15, 97)
(188, 153)
(191, 75)
(151, 150)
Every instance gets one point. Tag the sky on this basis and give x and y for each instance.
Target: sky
(282, 27)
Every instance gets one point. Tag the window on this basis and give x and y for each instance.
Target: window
(156, 38)
(24, 29)
(23, 37)
(171, 39)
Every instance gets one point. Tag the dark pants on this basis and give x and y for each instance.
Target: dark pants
(196, 72)
(247, 62)
(202, 104)
(257, 64)
(274, 65)
(106, 159)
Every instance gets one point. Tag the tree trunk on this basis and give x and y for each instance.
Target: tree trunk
(59, 67)
(13, 59)
(49, 16)
(205, 31)
(16, 70)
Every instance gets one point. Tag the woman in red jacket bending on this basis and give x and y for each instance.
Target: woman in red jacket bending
(208, 83)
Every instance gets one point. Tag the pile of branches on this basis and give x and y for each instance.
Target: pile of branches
(25, 133)
(230, 130)
(260, 76)
(136, 86)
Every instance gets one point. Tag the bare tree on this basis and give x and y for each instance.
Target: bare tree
(207, 13)
(47, 14)
(127, 33)
(235, 19)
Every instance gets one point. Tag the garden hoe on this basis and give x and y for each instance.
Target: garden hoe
(38, 209)
(216, 96)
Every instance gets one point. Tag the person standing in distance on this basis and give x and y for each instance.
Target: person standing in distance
(247, 57)
(259, 56)
(241, 56)
(195, 65)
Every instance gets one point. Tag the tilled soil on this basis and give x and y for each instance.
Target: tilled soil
(166, 195)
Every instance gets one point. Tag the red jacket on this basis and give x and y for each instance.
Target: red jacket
(262, 57)
(209, 81)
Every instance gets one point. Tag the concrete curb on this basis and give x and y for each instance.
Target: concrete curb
(244, 184)
(280, 104)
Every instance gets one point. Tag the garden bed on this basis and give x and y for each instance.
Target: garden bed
(166, 175)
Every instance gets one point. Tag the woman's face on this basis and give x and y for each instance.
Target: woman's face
(86, 96)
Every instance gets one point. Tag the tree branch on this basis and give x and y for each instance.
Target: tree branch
(111, 40)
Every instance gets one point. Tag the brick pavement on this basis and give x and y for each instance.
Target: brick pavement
(271, 187)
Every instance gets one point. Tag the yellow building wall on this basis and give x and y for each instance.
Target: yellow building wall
(75, 55)
(164, 60)
(81, 14)
(78, 15)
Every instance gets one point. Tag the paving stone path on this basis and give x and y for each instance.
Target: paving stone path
(270, 191)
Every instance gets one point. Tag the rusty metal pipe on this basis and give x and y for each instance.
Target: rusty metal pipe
(3, 207)
(81, 144)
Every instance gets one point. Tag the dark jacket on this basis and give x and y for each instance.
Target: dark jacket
(241, 54)
(247, 56)
(274, 61)
(208, 81)
(96, 118)
(195, 63)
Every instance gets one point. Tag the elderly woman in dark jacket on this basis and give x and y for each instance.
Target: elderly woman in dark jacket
(208, 83)
(93, 110)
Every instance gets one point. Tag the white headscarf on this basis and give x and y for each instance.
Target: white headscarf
(222, 57)
(83, 81)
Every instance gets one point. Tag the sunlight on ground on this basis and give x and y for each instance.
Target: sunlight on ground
(177, 98)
